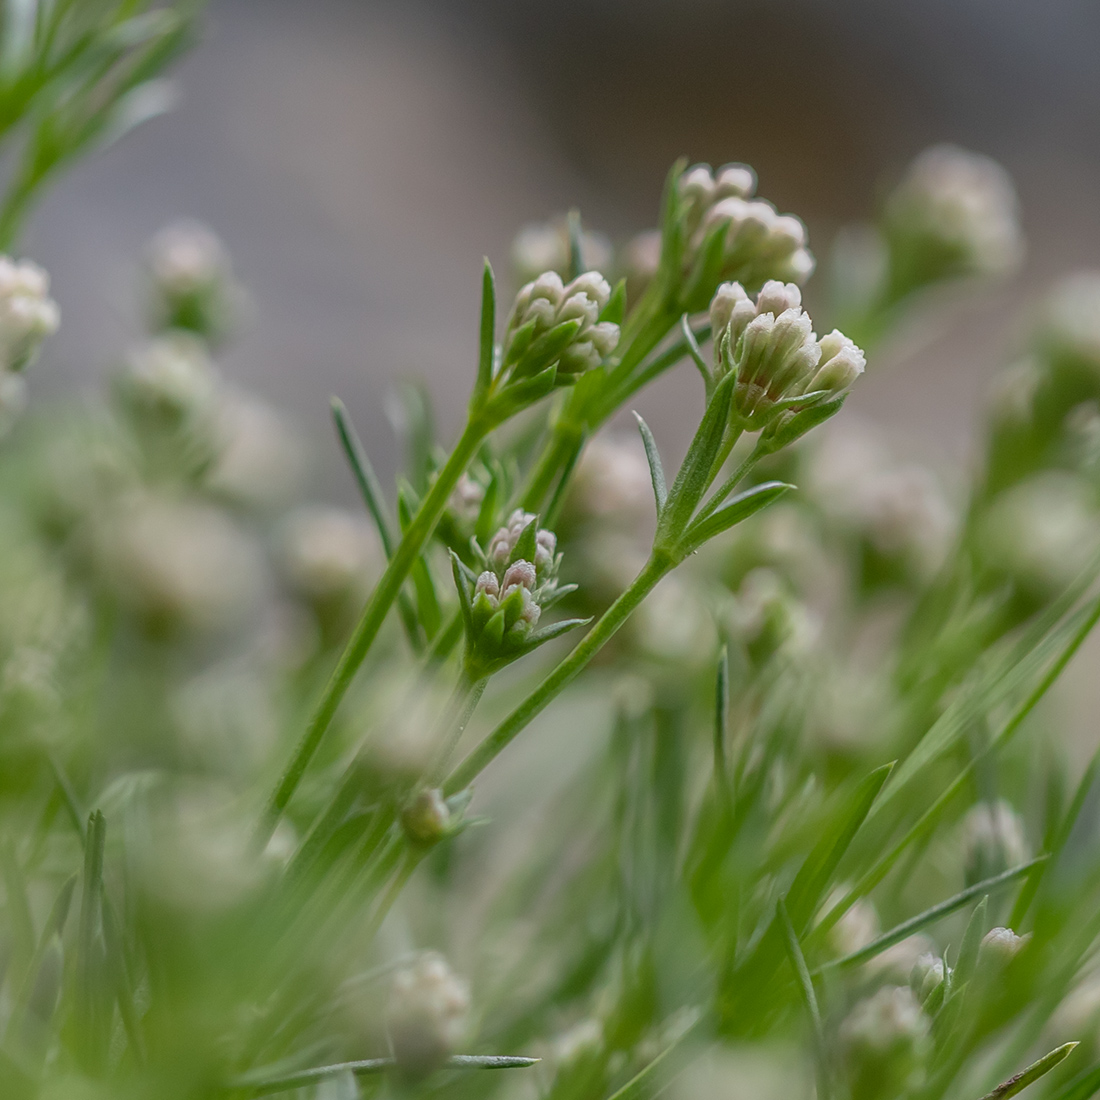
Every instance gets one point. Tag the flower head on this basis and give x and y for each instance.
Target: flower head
(560, 322)
(771, 346)
(954, 214)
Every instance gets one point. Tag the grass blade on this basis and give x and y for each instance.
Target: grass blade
(929, 916)
(1030, 1075)
(806, 985)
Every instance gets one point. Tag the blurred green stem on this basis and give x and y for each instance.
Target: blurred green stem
(617, 614)
(374, 615)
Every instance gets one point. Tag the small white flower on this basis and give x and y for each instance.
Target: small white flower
(328, 553)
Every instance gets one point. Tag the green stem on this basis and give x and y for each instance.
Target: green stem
(552, 686)
(374, 615)
(467, 694)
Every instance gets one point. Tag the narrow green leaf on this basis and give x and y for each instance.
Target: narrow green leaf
(576, 251)
(365, 478)
(463, 592)
(738, 510)
(615, 310)
(809, 999)
(672, 230)
(554, 630)
(527, 543)
(640, 1084)
(816, 873)
(971, 943)
(653, 457)
(488, 331)
(1083, 1087)
(120, 975)
(695, 354)
(89, 957)
(721, 716)
(694, 475)
(930, 916)
(256, 1085)
(1029, 1076)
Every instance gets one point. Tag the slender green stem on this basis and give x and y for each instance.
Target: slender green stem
(552, 686)
(464, 701)
(374, 615)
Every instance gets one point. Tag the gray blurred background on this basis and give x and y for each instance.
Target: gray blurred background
(360, 157)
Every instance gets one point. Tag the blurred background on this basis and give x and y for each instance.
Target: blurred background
(360, 156)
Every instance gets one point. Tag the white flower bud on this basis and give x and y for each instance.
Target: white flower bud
(1000, 946)
(549, 286)
(956, 212)
(734, 180)
(841, 364)
(612, 482)
(427, 1013)
(179, 565)
(171, 379)
(578, 307)
(328, 553)
(27, 314)
(1071, 320)
(518, 574)
(727, 298)
(593, 286)
(466, 500)
(927, 976)
(186, 256)
(776, 298)
(992, 840)
(546, 247)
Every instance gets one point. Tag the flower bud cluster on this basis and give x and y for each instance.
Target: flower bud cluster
(506, 600)
(555, 322)
(757, 242)
(191, 282)
(427, 1013)
(954, 214)
(771, 345)
(27, 312)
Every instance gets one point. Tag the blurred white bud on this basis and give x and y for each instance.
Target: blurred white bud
(1000, 946)
(170, 380)
(895, 964)
(858, 927)
(674, 623)
(900, 509)
(1071, 317)
(768, 619)
(841, 364)
(191, 281)
(1041, 532)
(466, 500)
(612, 482)
(427, 1013)
(640, 259)
(261, 458)
(927, 976)
(954, 213)
(992, 840)
(179, 565)
(27, 312)
(328, 553)
(884, 1040)
(546, 247)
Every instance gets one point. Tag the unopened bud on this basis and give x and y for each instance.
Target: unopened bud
(927, 976)
(427, 819)
(1000, 946)
(427, 1013)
